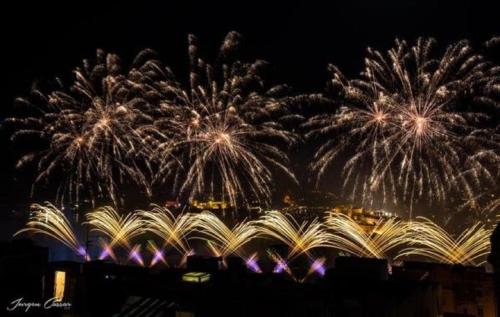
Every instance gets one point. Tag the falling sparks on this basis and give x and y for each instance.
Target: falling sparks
(50, 221)
(493, 207)
(172, 230)
(220, 133)
(91, 131)
(404, 127)
(431, 241)
(300, 238)
(119, 229)
(407, 130)
(415, 238)
(226, 241)
(349, 236)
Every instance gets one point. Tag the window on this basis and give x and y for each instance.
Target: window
(59, 283)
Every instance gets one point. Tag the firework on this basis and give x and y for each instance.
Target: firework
(225, 240)
(173, 230)
(349, 236)
(135, 255)
(493, 207)
(252, 263)
(48, 220)
(158, 254)
(431, 241)
(405, 125)
(219, 135)
(120, 229)
(300, 238)
(281, 264)
(317, 266)
(494, 41)
(91, 132)
(107, 251)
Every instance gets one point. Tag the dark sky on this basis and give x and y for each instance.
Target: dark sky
(298, 38)
(41, 41)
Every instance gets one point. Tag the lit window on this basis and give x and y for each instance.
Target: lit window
(196, 277)
(59, 283)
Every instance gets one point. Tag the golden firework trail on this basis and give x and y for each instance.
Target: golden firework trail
(349, 236)
(118, 228)
(493, 207)
(300, 238)
(401, 130)
(172, 230)
(48, 220)
(429, 240)
(225, 241)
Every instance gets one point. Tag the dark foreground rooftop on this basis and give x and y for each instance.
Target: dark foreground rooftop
(354, 287)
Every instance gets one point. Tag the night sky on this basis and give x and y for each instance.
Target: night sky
(42, 41)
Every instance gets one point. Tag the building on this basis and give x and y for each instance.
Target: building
(22, 271)
(354, 286)
(205, 289)
(210, 204)
(464, 290)
(366, 218)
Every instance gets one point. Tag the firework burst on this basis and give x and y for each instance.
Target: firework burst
(405, 125)
(220, 135)
(349, 236)
(429, 240)
(91, 132)
(494, 207)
